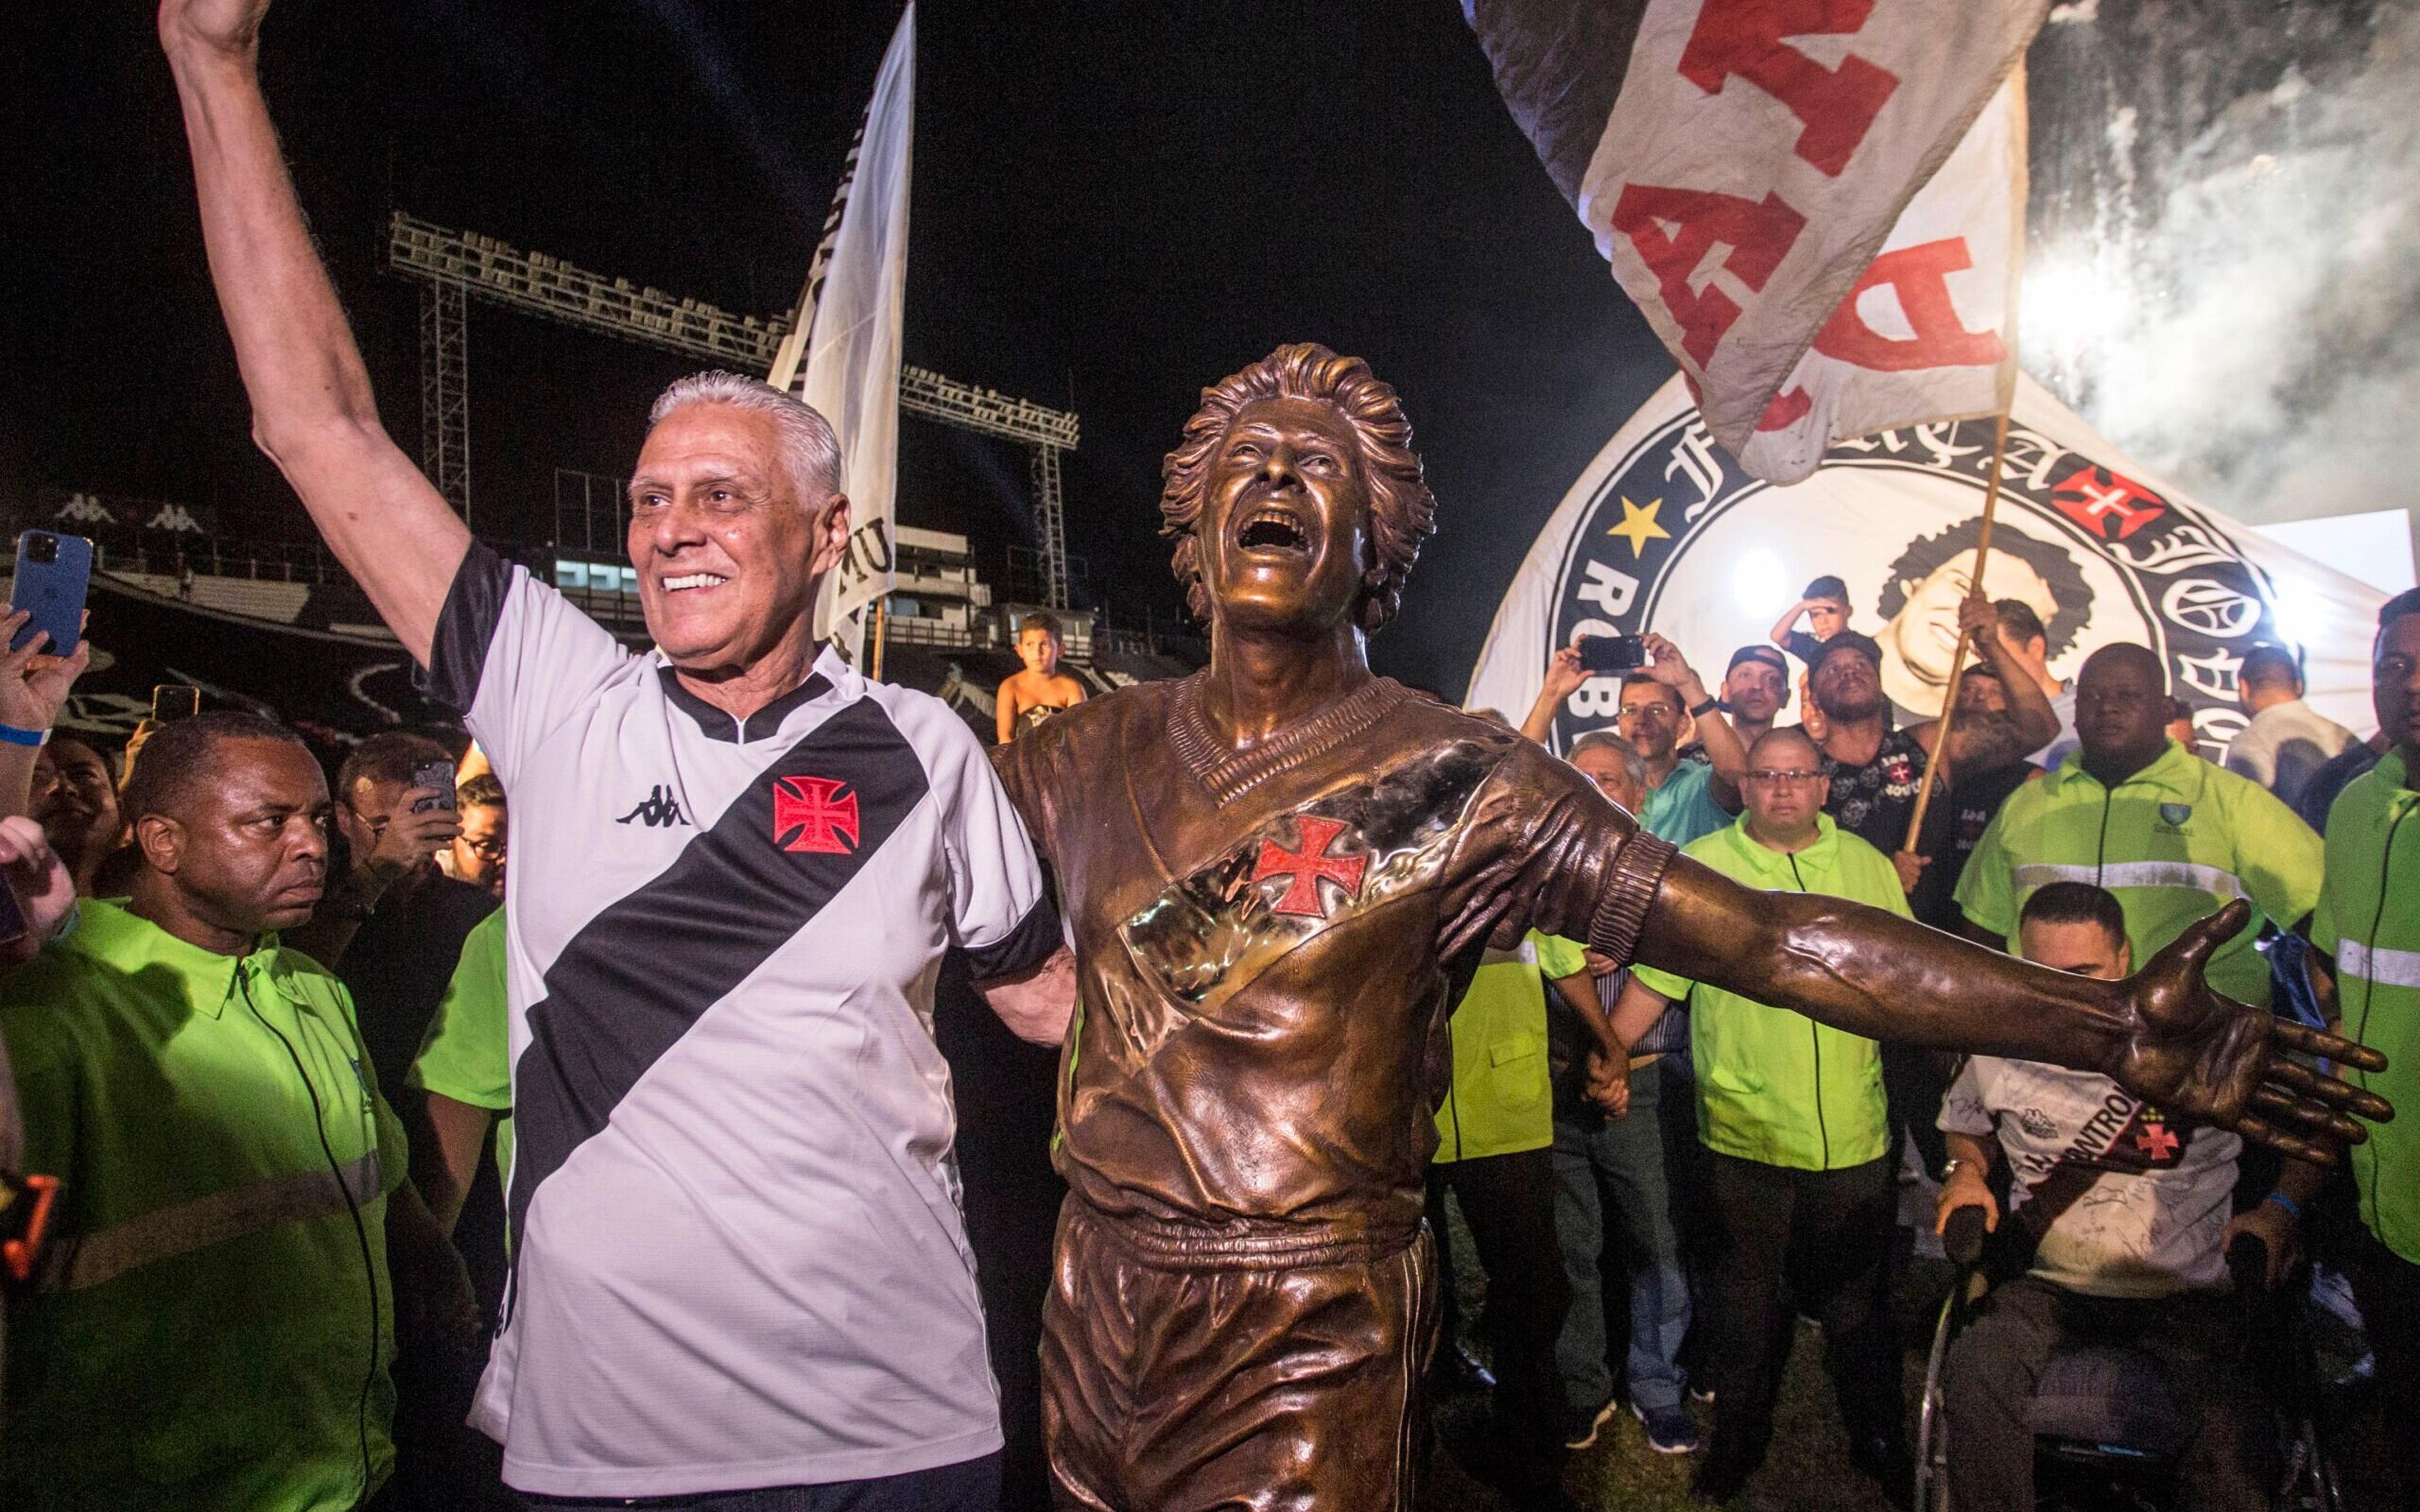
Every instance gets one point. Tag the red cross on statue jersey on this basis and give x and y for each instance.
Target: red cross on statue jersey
(824, 817)
(1304, 868)
(2156, 1142)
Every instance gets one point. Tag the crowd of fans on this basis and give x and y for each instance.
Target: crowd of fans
(241, 924)
(1755, 1168)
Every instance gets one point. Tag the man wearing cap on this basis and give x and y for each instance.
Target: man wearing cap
(1756, 688)
(2373, 856)
(1875, 770)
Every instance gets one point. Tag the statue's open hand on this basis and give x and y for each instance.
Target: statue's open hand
(2194, 1053)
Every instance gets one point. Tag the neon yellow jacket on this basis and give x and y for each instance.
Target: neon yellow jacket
(1502, 1100)
(2369, 919)
(2175, 841)
(207, 1333)
(1774, 1085)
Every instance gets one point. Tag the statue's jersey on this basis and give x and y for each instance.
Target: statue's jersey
(1264, 942)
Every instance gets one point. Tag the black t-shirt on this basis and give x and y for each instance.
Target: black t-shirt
(1971, 803)
(400, 963)
(1875, 801)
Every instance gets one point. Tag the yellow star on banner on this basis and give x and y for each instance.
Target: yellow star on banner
(1639, 526)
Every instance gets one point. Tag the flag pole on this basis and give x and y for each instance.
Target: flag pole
(1958, 660)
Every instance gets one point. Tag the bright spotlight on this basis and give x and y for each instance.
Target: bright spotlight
(1761, 584)
(2068, 304)
(2300, 615)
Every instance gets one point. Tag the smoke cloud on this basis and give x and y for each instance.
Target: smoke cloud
(2224, 273)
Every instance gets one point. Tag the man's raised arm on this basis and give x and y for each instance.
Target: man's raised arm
(312, 410)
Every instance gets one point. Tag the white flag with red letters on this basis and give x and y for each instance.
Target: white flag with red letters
(1929, 333)
(1742, 174)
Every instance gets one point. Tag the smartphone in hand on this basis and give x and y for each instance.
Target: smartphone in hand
(53, 573)
(171, 701)
(436, 775)
(1612, 652)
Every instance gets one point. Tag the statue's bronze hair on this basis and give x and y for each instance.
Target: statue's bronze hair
(1402, 512)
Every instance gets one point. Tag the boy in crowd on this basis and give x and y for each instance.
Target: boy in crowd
(1825, 606)
(1041, 690)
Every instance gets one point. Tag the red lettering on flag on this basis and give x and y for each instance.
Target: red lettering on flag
(1758, 236)
(1835, 107)
(1787, 410)
(824, 816)
(2109, 504)
(1305, 867)
(1918, 275)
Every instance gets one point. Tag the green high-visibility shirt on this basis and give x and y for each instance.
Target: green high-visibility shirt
(2368, 918)
(2176, 842)
(1502, 1100)
(1774, 1085)
(466, 1055)
(208, 1331)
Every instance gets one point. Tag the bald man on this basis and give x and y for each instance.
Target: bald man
(2131, 810)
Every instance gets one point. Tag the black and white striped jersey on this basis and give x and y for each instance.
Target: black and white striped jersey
(738, 1254)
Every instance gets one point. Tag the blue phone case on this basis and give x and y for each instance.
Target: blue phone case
(53, 592)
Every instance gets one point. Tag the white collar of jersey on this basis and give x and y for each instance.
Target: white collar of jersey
(827, 674)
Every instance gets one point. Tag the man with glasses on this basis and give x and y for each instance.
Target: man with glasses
(1663, 706)
(1792, 1113)
(478, 856)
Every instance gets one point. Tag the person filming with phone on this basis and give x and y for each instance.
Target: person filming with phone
(1663, 701)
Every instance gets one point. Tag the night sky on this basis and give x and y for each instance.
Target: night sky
(1114, 205)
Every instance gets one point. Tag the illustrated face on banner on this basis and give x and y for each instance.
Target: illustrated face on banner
(1927, 581)
(1675, 538)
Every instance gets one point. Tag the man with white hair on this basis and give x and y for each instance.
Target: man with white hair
(741, 1277)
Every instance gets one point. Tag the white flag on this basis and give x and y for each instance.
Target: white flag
(852, 362)
(1927, 334)
(1756, 159)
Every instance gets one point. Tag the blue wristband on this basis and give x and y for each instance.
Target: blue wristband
(2293, 1209)
(15, 736)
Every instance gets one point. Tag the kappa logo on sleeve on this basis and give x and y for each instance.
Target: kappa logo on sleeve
(815, 814)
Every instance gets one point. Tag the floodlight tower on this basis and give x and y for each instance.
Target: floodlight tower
(460, 265)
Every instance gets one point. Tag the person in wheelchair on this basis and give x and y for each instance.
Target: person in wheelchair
(2116, 1232)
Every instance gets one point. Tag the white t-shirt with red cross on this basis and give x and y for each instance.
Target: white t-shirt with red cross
(2155, 1221)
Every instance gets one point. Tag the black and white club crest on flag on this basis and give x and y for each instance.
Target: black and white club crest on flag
(1664, 532)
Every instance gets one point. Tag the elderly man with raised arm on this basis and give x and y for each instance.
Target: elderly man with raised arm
(740, 1267)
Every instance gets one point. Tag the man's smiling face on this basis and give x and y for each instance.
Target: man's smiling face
(1284, 529)
(728, 554)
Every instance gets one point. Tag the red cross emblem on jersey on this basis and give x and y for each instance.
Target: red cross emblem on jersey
(1305, 868)
(824, 817)
(2155, 1141)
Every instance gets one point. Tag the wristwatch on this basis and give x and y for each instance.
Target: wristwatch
(1708, 707)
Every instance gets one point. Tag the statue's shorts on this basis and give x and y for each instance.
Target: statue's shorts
(1268, 1366)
